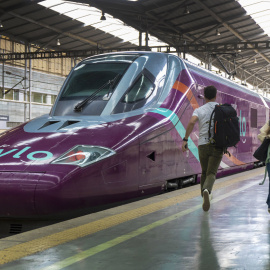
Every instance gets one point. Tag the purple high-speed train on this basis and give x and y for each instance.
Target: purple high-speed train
(115, 134)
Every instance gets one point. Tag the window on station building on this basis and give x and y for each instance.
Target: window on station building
(253, 118)
(16, 95)
(53, 98)
(1, 92)
(39, 97)
(44, 98)
(9, 95)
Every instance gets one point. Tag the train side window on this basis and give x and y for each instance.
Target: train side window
(142, 89)
(253, 118)
(139, 94)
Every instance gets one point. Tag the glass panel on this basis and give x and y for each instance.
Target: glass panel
(140, 94)
(44, 98)
(86, 79)
(113, 57)
(9, 95)
(53, 98)
(37, 97)
(16, 94)
(141, 90)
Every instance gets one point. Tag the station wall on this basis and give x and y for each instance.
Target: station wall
(15, 103)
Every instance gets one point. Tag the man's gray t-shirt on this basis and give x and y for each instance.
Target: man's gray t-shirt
(204, 113)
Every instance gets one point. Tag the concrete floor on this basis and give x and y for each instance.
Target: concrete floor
(168, 232)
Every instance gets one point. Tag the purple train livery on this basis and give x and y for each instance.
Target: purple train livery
(114, 134)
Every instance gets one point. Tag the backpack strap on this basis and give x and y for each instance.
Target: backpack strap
(209, 130)
(266, 161)
(225, 151)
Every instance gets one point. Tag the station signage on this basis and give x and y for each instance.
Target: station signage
(4, 118)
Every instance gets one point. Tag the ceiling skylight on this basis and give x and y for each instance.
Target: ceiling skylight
(91, 16)
(259, 11)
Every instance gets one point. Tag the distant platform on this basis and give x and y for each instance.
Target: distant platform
(169, 231)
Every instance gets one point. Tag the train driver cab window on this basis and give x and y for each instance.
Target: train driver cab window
(93, 79)
(89, 87)
(140, 93)
(141, 90)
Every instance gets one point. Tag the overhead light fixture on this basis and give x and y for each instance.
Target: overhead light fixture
(217, 32)
(1, 25)
(58, 42)
(267, 69)
(255, 61)
(103, 18)
(186, 11)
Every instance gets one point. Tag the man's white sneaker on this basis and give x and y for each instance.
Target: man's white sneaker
(206, 200)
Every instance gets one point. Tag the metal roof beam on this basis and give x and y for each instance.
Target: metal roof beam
(161, 20)
(244, 62)
(54, 29)
(13, 38)
(163, 5)
(51, 34)
(256, 72)
(201, 26)
(205, 33)
(22, 5)
(217, 47)
(264, 81)
(80, 24)
(239, 15)
(126, 18)
(233, 31)
(45, 45)
(113, 5)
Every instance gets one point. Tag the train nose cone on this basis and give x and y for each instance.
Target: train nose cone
(17, 193)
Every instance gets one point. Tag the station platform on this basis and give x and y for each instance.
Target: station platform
(165, 232)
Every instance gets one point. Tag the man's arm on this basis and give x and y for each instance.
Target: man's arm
(189, 129)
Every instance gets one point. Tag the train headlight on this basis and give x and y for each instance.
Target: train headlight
(83, 155)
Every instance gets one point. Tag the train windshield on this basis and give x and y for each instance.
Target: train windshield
(93, 79)
(90, 86)
(111, 84)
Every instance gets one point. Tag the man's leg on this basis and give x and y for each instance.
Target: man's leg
(203, 155)
(268, 198)
(215, 156)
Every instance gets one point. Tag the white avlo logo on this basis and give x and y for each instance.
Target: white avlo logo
(30, 155)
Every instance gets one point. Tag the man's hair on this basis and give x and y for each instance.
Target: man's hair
(210, 92)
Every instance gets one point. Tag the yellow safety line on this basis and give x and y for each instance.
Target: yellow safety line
(43, 243)
(118, 240)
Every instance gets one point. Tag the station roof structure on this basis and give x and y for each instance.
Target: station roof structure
(219, 32)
